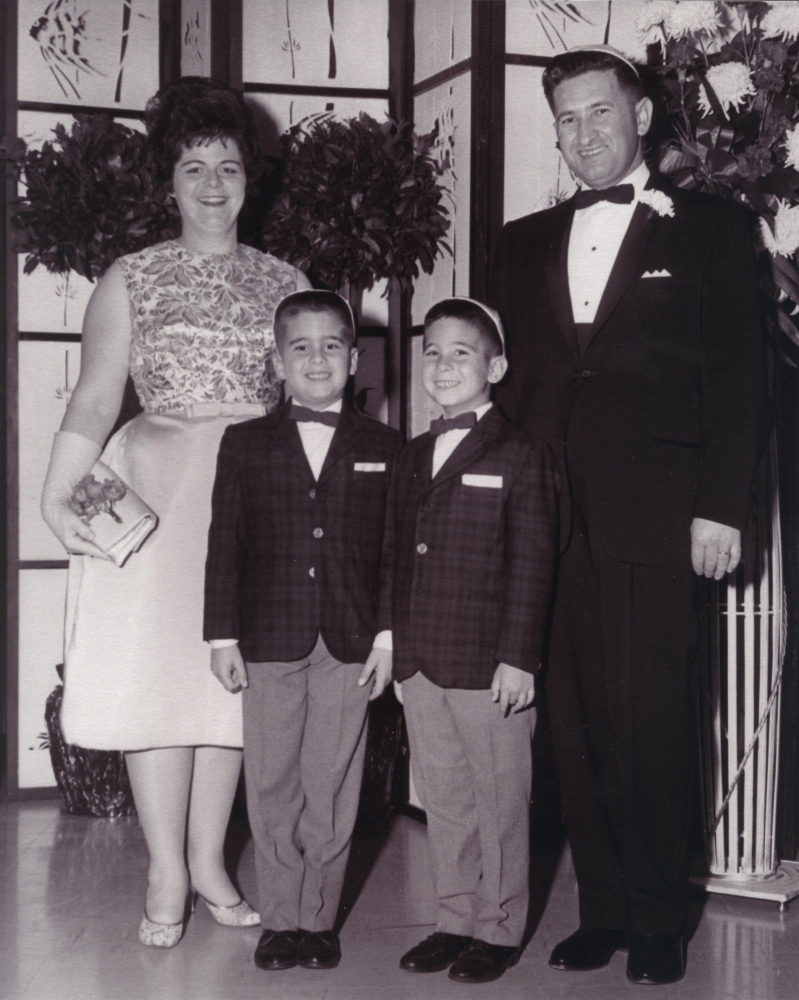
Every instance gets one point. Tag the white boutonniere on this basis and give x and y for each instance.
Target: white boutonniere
(657, 201)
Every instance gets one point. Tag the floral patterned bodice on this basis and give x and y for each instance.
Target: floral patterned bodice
(202, 325)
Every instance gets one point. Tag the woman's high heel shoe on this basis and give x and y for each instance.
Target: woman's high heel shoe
(241, 914)
(160, 935)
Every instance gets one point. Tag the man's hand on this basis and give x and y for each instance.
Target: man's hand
(229, 668)
(715, 548)
(512, 688)
(378, 662)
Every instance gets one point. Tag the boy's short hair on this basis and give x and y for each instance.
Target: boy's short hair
(567, 65)
(312, 300)
(476, 315)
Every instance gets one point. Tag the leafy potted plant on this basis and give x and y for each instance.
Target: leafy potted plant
(90, 198)
(359, 201)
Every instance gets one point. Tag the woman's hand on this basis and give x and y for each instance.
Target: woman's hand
(75, 535)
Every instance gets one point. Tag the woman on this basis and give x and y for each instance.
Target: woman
(190, 319)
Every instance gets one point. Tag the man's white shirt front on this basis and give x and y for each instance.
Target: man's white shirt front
(596, 236)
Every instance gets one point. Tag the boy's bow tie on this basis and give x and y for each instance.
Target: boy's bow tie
(620, 194)
(305, 414)
(463, 421)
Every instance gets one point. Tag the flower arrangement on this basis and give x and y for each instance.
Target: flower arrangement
(90, 198)
(359, 201)
(731, 80)
(91, 497)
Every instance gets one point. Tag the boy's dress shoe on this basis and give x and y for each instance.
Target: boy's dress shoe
(319, 950)
(655, 959)
(435, 953)
(277, 950)
(586, 949)
(483, 962)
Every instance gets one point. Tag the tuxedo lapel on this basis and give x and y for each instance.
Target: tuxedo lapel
(343, 438)
(557, 275)
(286, 437)
(472, 446)
(626, 265)
(423, 462)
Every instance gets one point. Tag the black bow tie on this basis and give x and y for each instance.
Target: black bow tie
(463, 422)
(621, 194)
(305, 414)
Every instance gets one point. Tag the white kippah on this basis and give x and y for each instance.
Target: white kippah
(318, 291)
(609, 51)
(492, 314)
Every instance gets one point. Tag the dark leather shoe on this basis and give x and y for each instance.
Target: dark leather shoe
(435, 953)
(319, 950)
(277, 950)
(483, 962)
(586, 949)
(655, 959)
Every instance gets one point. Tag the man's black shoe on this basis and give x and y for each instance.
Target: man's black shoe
(586, 949)
(655, 959)
(435, 953)
(483, 962)
(277, 950)
(319, 950)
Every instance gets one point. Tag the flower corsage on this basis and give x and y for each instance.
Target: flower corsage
(657, 201)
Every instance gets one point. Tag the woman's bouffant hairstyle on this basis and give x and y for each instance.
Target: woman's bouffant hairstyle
(196, 110)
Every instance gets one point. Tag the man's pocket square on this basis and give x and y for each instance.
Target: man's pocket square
(370, 467)
(657, 274)
(472, 479)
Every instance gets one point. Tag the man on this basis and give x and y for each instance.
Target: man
(635, 349)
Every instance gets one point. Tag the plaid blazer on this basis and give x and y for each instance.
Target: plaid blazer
(289, 557)
(469, 557)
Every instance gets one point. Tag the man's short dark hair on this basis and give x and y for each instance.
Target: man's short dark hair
(312, 300)
(472, 314)
(568, 65)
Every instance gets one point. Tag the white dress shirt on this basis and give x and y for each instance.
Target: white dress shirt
(596, 235)
(316, 440)
(445, 444)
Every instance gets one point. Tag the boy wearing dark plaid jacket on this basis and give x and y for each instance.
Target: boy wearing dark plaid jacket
(290, 611)
(467, 571)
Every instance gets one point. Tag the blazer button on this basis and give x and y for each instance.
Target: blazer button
(317, 532)
(311, 572)
(421, 548)
(585, 373)
(312, 494)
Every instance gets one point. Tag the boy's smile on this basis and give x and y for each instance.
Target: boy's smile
(315, 358)
(456, 372)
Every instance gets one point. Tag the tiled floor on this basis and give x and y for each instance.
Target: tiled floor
(71, 900)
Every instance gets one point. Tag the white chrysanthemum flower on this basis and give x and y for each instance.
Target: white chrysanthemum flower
(785, 238)
(792, 147)
(732, 84)
(658, 201)
(781, 21)
(650, 25)
(692, 18)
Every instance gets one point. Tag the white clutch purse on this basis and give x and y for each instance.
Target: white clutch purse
(119, 518)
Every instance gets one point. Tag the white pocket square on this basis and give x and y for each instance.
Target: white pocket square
(472, 479)
(657, 274)
(370, 466)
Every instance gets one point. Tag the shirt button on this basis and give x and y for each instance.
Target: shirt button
(421, 548)
(312, 494)
(317, 532)
(310, 571)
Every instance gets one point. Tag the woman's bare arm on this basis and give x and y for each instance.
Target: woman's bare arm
(105, 349)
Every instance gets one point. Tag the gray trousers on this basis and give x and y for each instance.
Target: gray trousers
(473, 772)
(304, 743)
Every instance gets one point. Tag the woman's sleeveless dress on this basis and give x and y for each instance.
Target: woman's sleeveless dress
(202, 357)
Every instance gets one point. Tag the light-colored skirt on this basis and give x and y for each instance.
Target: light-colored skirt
(137, 670)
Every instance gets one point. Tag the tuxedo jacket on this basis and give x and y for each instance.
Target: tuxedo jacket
(658, 420)
(290, 557)
(468, 555)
